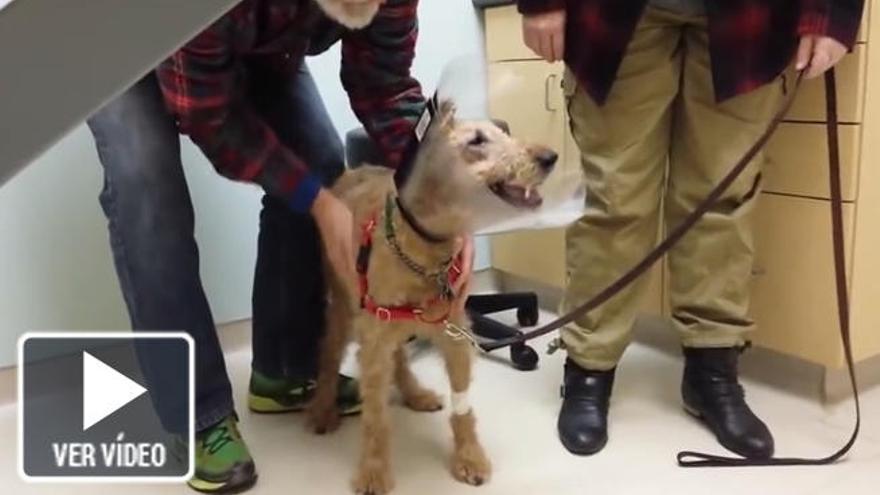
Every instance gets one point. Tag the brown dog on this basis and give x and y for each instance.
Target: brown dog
(404, 286)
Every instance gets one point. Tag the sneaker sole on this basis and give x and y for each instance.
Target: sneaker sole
(225, 488)
(266, 405)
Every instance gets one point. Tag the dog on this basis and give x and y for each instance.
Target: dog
(409, 239)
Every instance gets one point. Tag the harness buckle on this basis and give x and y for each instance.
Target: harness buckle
(383, 314)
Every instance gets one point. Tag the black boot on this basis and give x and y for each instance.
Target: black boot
(712, 393)
(583, 420)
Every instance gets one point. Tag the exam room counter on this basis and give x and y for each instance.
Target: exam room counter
(794, 298)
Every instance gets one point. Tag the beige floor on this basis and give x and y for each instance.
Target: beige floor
(517, 414)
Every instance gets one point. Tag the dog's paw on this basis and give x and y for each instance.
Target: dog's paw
(423, 401)
(323, 420)
(375, 480)
(470, 465)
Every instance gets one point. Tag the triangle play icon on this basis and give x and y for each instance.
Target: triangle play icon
(105, 390)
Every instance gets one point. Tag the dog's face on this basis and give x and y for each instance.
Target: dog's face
(353, 14)
(510, 169)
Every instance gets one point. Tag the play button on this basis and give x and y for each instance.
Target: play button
(105, 390)
(106, 406)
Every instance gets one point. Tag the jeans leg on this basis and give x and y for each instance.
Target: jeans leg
(289, 292)
(150, 215)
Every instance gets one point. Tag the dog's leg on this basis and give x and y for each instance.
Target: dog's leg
(469, 462)
(414, 395)
(323, 412)
(375, 356)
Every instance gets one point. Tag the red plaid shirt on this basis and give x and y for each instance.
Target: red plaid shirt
(752, 41)
(203, 90)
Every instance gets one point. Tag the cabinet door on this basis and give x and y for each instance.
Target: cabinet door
(504, 40)
(797, 160)
(794, 300)
(528, 95)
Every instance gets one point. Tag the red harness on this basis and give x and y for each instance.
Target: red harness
(397, 313)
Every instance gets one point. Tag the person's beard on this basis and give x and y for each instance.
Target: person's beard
(350, 15)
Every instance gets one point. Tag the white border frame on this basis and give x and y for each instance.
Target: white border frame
(106, 479)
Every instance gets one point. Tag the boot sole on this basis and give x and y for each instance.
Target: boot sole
(693, 412)
(699, 416)
(583, 452)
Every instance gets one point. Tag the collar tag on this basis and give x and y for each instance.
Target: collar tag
(423, 124)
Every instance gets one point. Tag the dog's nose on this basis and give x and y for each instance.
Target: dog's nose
(547, 159)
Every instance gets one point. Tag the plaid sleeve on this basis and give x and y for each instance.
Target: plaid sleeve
(540, 6)
(839, 19)
(200, 90)
(376, 63)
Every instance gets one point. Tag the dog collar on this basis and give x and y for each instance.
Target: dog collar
(404, 168)
(419, 229)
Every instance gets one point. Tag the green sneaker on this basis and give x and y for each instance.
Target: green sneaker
(223, 463)
(272, 395)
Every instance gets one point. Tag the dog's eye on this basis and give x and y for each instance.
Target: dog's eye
(478, 140)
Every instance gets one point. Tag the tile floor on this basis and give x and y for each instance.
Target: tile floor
(517, 413)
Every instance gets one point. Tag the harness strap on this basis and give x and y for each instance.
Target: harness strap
(395, 313)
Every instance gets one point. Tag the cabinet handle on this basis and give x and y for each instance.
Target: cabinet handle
(548, 87)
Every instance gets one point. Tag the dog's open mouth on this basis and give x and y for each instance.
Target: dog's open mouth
(517, 196)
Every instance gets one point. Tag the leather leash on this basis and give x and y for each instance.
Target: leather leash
(697, 459)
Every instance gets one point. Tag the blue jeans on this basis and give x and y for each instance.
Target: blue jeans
(151, 221)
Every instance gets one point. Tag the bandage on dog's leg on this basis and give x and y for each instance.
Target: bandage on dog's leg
(469, 462)
(460, 403)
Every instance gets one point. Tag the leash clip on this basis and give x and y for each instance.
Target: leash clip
(459, 333)
(555, 345)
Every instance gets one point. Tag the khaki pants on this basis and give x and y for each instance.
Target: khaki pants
(657, 147)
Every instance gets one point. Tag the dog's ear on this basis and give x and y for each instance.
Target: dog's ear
(446, 115)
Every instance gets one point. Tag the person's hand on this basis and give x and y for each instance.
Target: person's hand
(545, 34)
(335, 222)
(817, 54)
(461, 288)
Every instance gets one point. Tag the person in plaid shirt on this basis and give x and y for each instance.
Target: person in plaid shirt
(663, 97)
(242, 92)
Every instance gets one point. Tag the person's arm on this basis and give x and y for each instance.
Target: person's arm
(544, 27)
(376, 63)
(202, 91)
(828, 28)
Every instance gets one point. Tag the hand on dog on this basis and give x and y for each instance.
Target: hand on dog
(461, 288)
(545, 34)
(334, 221)
(817, 54)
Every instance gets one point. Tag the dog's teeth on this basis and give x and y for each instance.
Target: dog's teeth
(528, 193)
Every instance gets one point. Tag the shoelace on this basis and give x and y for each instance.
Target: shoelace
(218, 438)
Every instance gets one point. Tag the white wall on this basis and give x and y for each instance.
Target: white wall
(55, 266)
